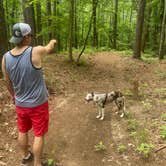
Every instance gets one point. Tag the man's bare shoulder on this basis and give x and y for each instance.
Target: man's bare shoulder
(39, 50)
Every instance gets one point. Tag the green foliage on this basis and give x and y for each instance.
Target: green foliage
(132, 124)
(161, 74)
(160, 90)
(50, 161)
(147, 104)
(163, 132)
(82, 62)
(129, 115)
(126, 52)
(133, 134)
(149, 59)
(163, 101)
(128, 92)
(121, 148)
(143, 136)
(163, 117)
(59, 24)
(100, 147)
(145, 149)
(140, 136)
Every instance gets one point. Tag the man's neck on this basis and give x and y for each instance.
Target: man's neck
(18, 50)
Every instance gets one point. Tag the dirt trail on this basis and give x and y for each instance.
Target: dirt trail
(74, 131)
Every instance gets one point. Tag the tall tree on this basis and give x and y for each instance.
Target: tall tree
(38, 22)
(115, 24)
(57, 30)
(145, 37)
(162, 35)
(3, 34)
(155, 26)
(75, 26)
(139, 28)
(13, 12)
(130, 22)
(48, 13)
(86, 39)
(110, 32)
(71, 29)
(95, 36)
(29, 15)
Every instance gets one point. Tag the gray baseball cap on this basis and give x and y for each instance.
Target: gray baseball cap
(19, 31)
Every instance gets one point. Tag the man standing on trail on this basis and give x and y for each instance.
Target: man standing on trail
(22, 72)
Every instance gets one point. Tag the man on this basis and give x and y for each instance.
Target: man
(22, 72)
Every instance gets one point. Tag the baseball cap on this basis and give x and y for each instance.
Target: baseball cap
(19, 31)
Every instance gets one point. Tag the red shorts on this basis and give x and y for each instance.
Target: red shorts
(36, 118)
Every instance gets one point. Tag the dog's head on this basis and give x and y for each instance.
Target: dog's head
(89, 97)
(115, 94)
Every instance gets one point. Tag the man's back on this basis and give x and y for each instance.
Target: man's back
(28, 84)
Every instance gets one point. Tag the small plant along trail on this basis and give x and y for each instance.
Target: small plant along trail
(76, 137)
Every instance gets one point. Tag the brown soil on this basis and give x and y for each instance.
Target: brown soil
(74, 131)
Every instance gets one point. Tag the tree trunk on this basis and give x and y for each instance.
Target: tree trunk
(56, 34)
(75, 27)
(3, 34)
(139, 28)
(82, 20)
(48, 13)
(86, 39)
(162, 35)
(71, 29)
(95, 36)
(39, 22)
(7, 16)
(115, 25)
(110, 32)
(13, 10)
(29, 16)
(130, 21)
(145, 37)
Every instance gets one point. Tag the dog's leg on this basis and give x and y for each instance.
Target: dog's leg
(99, 113)
(122, 115)
(117, 112)
(123, 109)
(102, 114)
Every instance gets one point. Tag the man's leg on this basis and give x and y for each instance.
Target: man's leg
(38, 149)
(23, 143)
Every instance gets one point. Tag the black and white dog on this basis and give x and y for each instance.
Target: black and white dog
(101, 99)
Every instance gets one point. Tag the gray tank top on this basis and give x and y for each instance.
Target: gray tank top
(28, 84)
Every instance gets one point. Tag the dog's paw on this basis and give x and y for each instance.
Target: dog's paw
(122, 115)
(98, 116)
(102, 118)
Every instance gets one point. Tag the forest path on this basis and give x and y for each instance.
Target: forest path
(74, 130)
